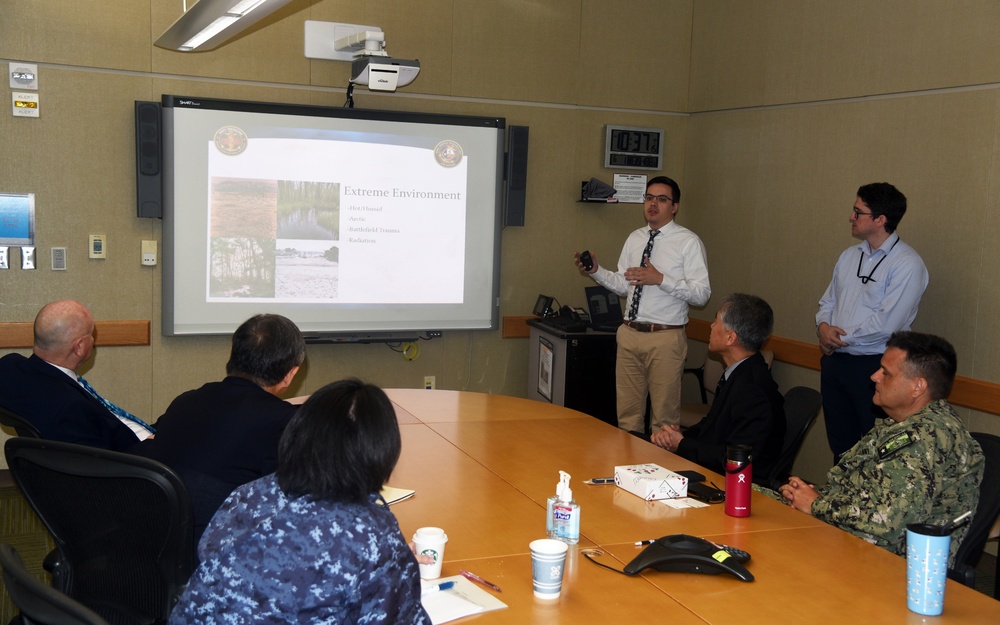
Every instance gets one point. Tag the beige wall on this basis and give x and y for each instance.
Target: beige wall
(775, 112)
(795, 105)
(563, 68)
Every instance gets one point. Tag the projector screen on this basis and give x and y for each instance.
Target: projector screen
(353, 223)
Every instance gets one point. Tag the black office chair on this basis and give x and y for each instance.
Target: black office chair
(40, 604)
(802, 405)
(122, 525)
(708, 375)
(986, 514)
(21, 425)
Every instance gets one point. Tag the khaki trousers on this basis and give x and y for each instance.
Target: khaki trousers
(649, 363)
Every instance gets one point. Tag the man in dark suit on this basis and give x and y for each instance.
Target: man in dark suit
(747, 408)
(226, 433)
(46, 390)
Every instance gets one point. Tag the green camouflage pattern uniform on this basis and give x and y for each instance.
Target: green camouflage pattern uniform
(926, 469)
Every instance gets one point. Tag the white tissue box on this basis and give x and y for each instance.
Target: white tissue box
(651, 481)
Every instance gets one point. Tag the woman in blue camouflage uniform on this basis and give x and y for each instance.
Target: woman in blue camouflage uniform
(313, 543)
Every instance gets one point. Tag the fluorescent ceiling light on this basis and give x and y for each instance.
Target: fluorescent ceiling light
(211, 23)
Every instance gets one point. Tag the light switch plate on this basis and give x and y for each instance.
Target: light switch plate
(59, 259)
(27, 257)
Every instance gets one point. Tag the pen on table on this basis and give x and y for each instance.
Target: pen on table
(478, 579)
(602, 480)
(644, 542)
(436, 587)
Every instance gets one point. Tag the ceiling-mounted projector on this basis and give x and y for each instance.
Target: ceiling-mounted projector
(382, 73)
(364, 46)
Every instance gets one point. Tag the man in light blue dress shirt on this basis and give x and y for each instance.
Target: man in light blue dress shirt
(875, 291)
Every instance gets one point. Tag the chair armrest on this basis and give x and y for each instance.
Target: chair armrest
(699, 373)
(57, 569)
(963, 574)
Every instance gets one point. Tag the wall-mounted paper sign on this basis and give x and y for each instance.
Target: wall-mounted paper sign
(17, 218)
(630, 187)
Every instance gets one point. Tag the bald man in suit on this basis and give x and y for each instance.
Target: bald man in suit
(46, 390)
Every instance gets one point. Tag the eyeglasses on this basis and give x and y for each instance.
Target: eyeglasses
(660, 199)
(858, 214)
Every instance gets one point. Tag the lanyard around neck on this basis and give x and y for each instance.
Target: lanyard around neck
(861, 260)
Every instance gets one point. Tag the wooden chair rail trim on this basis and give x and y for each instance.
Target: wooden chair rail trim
(967, 392)
(16, 335)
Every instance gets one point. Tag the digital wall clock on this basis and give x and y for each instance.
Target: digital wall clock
(632, 147)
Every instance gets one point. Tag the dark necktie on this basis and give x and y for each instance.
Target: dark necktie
(119, 412)
(633, 310)
(722, 382)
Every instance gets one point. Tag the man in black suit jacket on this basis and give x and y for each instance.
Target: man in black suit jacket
(226, 433)
(747, 407)
(44, 388)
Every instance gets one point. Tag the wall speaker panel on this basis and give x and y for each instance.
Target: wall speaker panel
(148, 160)
(516, 169)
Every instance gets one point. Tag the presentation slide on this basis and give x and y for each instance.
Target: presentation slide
(311, 220)
(360, 221)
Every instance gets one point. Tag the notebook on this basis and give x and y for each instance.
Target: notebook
(605, 309)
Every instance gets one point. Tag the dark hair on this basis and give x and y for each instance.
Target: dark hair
(884, 199)
(669, 182)
(929, 357)
(342, 444)
(750, 317)
(265, 348)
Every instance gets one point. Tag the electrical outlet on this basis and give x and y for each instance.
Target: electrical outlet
(429, 382)
(149, 253)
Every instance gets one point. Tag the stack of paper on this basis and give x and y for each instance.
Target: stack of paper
(462, 599)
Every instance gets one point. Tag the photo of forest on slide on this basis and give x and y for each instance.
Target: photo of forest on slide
(307, 264)
(274, 239)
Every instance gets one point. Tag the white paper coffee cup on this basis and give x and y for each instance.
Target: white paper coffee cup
(430, 541)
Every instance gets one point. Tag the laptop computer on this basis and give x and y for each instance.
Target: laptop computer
(605, 309)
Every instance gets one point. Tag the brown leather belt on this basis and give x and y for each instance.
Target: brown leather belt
(640, 326)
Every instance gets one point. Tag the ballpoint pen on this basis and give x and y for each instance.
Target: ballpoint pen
(479, 580)
(601, 480)
(644, 542)
(436, 587)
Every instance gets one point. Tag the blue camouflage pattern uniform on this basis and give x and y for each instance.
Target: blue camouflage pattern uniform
(926, 469)
(267, 558)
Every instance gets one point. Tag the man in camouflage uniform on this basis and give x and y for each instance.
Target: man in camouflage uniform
(919, 465)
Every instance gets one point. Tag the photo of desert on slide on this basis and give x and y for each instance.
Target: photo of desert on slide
(274, 239)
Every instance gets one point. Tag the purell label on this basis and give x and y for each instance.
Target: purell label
(562, 513)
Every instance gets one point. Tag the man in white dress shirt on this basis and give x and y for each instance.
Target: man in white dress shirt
(662, 270)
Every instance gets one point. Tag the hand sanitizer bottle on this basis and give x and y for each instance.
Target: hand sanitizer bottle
(549, 505)
(566, 513)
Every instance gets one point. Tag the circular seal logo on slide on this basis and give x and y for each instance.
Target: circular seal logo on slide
(230, 140)
(448, 153)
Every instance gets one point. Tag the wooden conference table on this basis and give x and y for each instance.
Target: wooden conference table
(483, 466)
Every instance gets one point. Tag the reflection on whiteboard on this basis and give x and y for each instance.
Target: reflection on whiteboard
(545, 360)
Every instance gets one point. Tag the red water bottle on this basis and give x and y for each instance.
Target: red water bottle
(739, 475)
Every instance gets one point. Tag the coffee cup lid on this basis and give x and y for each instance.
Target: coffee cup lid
(430, 533)
(928, 529)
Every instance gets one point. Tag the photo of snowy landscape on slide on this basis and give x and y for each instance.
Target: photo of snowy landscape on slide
(274, 239)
